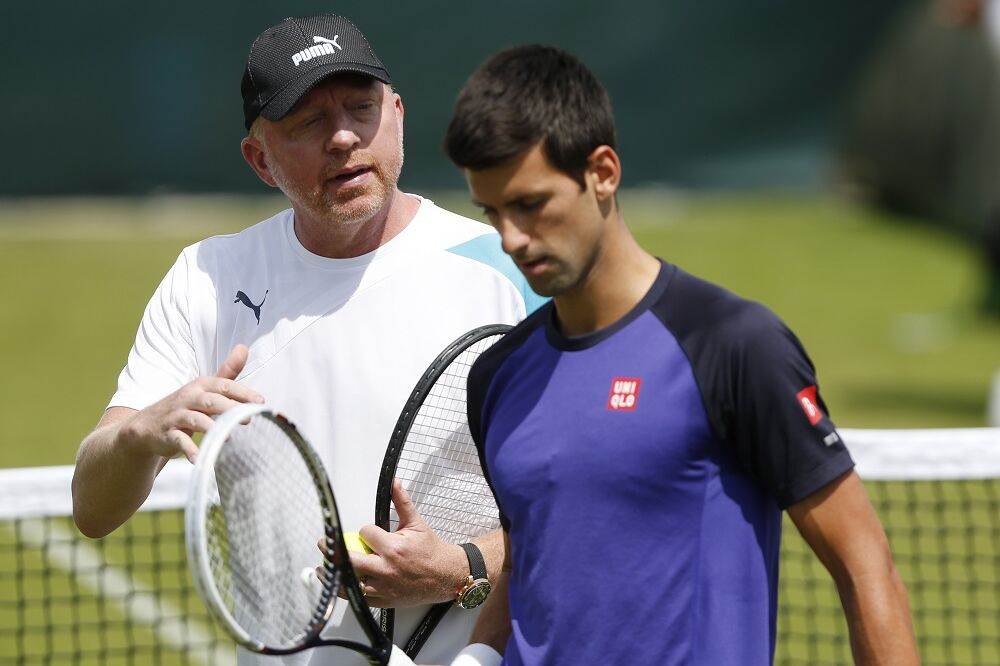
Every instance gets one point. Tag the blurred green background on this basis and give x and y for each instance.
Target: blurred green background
(886, 307)
(125, 97)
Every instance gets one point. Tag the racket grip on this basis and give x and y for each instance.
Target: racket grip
(477, 654)
(429, 623)
(399, 658)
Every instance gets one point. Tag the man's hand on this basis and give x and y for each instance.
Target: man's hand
(165, 427)
(410, 566)
(118, 462)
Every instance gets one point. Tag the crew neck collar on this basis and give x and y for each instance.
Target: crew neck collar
(400, 240)
(579, 342)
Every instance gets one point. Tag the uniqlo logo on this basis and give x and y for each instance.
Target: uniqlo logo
(624, 393)
(807, 398)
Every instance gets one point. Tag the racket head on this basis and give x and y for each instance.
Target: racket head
(259, 504)
(432, 453)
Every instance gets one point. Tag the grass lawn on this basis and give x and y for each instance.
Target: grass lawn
(884, 306)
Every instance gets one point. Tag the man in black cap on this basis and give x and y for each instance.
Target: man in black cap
(331, 310)
(313, 87)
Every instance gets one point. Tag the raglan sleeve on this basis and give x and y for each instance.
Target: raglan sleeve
(162, 358)
(773, 413)
(476, 398)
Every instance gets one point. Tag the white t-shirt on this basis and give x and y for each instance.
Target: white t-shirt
(339, 346)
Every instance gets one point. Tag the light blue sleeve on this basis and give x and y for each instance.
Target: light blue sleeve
(486, 249)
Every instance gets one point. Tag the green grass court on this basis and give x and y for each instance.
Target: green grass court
(885, 306)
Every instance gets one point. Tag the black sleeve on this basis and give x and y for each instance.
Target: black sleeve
(775, 418)
(480, 377)
(475, 393)
(759, 388)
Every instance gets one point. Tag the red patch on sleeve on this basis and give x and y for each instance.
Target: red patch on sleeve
(810, 405)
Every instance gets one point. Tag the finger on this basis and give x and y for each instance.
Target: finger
(362, 585)
(311, 578)
(231, 389)
(405, 508)
(366, 565)
(369, 590)
(375, 537)
(190, 421)
(210, 403)
(356, 543)
(233, 365)
(184, 444)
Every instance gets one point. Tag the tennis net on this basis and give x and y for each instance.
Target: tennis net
(128, 598)
(937, 494)
(125, 599)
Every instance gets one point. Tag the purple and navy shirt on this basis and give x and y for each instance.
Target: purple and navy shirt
(641, 471)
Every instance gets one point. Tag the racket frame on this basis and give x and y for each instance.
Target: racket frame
(383, 492)
(339, 571)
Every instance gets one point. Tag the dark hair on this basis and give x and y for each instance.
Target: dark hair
(524, 95)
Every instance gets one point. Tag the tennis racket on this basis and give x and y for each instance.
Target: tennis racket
(259, 504)
(432, 453)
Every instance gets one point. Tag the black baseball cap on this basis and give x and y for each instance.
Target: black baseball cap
(288, 59)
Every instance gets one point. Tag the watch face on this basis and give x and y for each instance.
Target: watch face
(476, 594)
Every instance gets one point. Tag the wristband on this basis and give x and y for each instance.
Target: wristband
(477, 654)
(399, 658)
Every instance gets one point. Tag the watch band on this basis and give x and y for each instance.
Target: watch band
(477, 565)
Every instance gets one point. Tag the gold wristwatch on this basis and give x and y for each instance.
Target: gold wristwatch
(476, 587)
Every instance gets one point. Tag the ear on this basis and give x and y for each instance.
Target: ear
(605, 170)
(397, 103)
(253, 153)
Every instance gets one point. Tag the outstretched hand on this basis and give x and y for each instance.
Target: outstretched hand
(410, 566)
(165, 427)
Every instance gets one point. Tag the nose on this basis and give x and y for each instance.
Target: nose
(513, 239)
(343, 136)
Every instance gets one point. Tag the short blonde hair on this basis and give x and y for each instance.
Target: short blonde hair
(256, 129)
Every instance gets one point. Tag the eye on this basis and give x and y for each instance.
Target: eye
(488, 212)
(529, 205)
(365, 107)
(310, 121)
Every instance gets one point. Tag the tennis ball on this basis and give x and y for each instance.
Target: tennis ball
(355, 543)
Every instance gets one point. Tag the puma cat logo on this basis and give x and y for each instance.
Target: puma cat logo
(245, 300)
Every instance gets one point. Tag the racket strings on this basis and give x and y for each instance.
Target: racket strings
(264, 532)
(439, 465)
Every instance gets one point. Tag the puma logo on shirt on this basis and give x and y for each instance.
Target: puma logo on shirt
(245, 300)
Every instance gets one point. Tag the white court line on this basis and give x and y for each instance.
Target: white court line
(63, 548)
(31, 495)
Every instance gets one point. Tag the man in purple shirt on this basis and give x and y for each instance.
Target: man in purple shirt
(644, 430)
